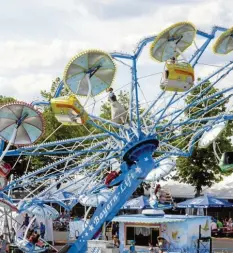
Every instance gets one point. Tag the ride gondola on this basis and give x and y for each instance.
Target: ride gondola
(226, 162)
(68, 110)
(167, 47)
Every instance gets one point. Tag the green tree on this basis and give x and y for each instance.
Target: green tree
(201, 168)
(5, 100)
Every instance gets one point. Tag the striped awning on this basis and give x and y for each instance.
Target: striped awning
(146, 219)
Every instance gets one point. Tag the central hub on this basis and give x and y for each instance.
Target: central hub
(145, 146)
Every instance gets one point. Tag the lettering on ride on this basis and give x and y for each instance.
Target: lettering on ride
(123, 187)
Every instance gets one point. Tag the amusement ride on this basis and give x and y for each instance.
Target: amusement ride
(135, 146)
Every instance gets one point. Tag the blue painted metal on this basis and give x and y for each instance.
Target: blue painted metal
(153, 104)
(135, 84)
(51, 153)
(205, 35)
(64, 142)
(164, 110)
(130, 141)
(208, 108)
(107, 131)
(59, 89)
(199, 52)
(195, 87)
(105, 121)
(131, 100)
(121, 55)
(142, 44)
(2, 144)
(40, 103)
(133, 178)
(219, 28)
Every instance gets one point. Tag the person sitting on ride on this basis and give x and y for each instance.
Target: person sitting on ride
(36, 238)
(161, 195)
(111, 95)
(110, 177)
(171, 61)
(31, 236)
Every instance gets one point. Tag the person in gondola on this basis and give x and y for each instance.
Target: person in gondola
(171, 61)
(118, 112)
(110, 177)
(161, 195)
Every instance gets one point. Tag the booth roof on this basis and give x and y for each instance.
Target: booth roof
(140, 218)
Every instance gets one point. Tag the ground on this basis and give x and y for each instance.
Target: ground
(218, 243)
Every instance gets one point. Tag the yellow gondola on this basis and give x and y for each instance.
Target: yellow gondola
(68, 110)
(177, 77)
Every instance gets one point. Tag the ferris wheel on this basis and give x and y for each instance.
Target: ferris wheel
(118, 154)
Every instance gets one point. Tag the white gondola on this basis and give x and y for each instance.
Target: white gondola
(27, 246)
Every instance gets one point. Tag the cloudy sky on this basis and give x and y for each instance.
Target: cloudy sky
(38, 38)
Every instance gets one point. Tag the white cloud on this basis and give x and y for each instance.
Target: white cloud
(39, 38)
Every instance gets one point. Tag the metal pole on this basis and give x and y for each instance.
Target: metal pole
(135, 85)
(9, 143)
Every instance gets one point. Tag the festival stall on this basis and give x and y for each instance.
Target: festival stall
(177, 232)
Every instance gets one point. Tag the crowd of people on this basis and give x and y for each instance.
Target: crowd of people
(221, 226)
(34, 227)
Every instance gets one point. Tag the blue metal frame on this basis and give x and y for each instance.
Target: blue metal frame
(129, 139)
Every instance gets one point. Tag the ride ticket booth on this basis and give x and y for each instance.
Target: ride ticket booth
(179, 233)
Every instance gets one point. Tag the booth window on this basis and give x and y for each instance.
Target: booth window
(142, 235)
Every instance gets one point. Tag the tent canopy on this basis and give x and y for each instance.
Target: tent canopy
(204, 202)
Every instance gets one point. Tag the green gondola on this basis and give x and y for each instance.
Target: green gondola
(226, 162)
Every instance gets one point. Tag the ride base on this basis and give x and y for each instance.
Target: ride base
(140, 156)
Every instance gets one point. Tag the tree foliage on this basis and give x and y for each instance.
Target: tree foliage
(201, 168)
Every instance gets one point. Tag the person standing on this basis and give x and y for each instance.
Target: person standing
(42, 230)
(12, 235)
(26, 221)
(116, 241)
(118, 111)
(3, 244)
